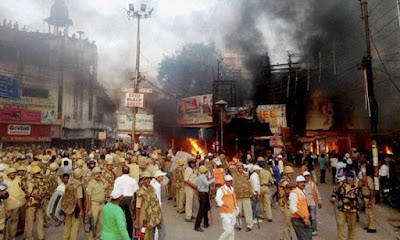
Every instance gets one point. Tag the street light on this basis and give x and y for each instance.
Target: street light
(138, 14)
(221, 105)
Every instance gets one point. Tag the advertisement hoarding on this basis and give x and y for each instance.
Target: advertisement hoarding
(240, 112)
(195, 110)
(27, 110)
(9, 87)
(275, 115)
(14, 129)
(144, 123)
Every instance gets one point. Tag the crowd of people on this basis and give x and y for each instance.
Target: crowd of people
(116, 194)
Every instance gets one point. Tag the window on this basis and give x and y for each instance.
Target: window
(35, 92)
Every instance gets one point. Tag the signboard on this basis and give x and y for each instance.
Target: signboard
(194, 110)
(240, 112)
(134, 100)
(144, 122)
(9, 87)
(141, 90)
(13, 129)
(102, 136)
(77, 134)
(25, 133)
(27, 109)
(275, 115)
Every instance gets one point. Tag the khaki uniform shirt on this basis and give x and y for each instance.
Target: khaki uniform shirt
(366, 189)
(2, 216)
(265, 178)
(15, 190)
(37, 188)
(108, 180)
(134, 171)
(190, 175)
(242, 185)
(95, 190)
(283, 192)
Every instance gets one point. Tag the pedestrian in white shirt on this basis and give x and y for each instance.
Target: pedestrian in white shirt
(255, 183)
(383, 178)
(127, 186)
(226, 201)
(280, 164)
(160, 233)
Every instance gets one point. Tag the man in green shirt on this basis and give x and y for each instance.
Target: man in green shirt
(322, 167)
(113, 219)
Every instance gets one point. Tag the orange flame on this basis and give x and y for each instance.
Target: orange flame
(195, 147)
(388, 150)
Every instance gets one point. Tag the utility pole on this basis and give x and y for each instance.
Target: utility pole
(138, 14)
(373, 105)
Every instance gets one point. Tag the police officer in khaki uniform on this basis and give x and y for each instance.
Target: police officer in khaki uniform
(179, 185)
(266, 180)
(284, 188)
(134, 170)
(190, 178)
(73, 221)
(3, 196)
(35, 201)
(53, 180)
(15, 192)
(108, 178)
(367, 192)
(95, 198)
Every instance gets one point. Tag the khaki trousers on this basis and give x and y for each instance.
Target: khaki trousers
(170, 190)
(265, 203)
(189, 194)
(33, 213)
(286, 223)
(350, 218)
(180, 198)
(46, 219)
(72, 227)
(21, 218)
(12, 225)
(97, 208)
(370, 215)
(148, 234)
(245, 205)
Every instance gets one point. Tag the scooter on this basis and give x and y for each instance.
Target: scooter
(394, 196)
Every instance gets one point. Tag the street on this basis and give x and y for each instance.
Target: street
(178, 229)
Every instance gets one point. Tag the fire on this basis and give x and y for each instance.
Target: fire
(195, 147)
(388, 150)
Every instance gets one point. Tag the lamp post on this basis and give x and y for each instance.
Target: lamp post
(138, 14)
(221, 104)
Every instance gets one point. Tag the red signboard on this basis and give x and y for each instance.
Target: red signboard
(14, 113)
(38, 133)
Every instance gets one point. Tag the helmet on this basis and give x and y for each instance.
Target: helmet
(109, 162)
(134, 159)
(159, 151)
(181, 161)
(77, 173)
(21, 168)
(36, 169)
(34, 164)
(146, 174)
(96, 170)
(10, 170)
(288, 169)
(260, 159)
(79, 163)
(203, 169)
(53, 166)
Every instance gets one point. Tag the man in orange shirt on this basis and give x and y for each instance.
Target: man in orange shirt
(226, 201)
(299, 213)
(219, 174)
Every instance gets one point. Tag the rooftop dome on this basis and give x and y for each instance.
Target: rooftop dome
(59, 14)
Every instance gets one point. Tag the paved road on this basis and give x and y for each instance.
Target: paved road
(178, 229)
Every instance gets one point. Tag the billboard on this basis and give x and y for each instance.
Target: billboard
(144, 122)
(9, 87)
(28, 110)
(25, 133)
(195, 110)
(240, 112)
(275, 115)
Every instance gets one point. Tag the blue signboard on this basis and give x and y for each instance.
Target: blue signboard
(9, 87)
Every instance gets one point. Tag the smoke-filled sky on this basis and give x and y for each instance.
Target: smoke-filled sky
(173, 24)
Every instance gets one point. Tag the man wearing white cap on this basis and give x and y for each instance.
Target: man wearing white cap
(255, 183)
(226, 201)
(113, 218)
(156, 184)
(313, 199)
(299, 213)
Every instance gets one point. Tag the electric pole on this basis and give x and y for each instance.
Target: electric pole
(373, 105)
(138, 14)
